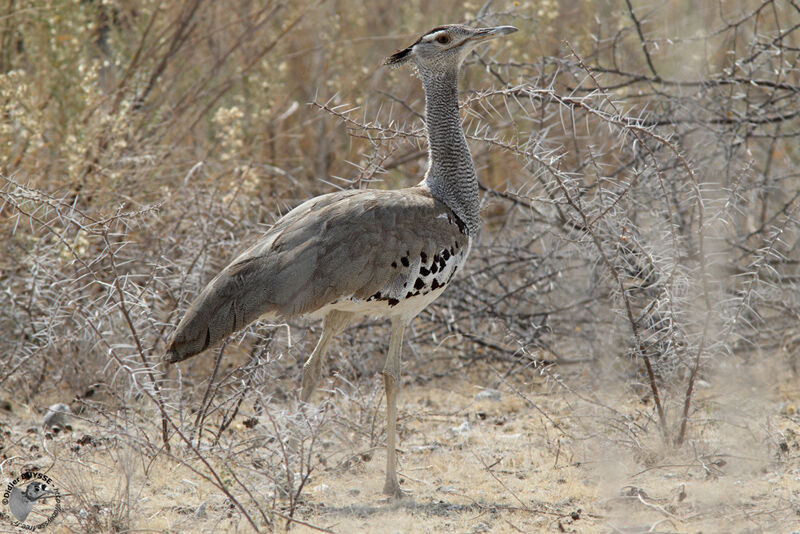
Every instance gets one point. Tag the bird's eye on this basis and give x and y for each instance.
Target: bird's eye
(443, 39)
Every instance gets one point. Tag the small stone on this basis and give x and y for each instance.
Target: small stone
(424, 448)
(446, 489)
(680, 493)
(479, 527)
(462, 429)
(56, 415)
(488, 394)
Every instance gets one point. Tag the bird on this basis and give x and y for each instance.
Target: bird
(21, 502)
(382, 253)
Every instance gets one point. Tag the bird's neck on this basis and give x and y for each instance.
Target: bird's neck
(451, 174)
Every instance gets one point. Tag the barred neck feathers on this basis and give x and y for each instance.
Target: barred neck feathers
(451, 174)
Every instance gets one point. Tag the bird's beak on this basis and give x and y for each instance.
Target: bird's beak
(484, 34)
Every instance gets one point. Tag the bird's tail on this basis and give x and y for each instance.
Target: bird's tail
(201, 328)
(222, 308)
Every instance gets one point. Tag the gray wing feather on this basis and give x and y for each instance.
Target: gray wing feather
(340, 245)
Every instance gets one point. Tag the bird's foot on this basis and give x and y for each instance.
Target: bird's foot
(392, 489)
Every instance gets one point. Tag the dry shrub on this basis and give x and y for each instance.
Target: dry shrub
(639, 183)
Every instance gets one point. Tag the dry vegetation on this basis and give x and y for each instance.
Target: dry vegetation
(620, 356)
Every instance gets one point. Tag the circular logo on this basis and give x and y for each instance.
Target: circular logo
(31, 501)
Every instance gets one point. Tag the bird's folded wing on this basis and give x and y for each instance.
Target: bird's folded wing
(337, 246)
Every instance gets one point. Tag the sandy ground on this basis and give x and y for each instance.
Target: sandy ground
(528, 456)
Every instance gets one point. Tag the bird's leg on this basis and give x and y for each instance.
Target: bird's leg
(333, 324)
(312, 369)
(391, 378)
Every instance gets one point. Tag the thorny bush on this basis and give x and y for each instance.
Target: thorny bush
(640, 191)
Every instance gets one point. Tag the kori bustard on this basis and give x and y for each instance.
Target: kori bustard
(363, 252)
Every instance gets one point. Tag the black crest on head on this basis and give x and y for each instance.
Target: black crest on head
(398, 58)
(401, 56)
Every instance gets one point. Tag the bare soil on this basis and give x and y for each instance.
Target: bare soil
(528, 456)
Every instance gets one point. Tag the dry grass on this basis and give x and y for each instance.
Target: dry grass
(473, 459)
(634, 296)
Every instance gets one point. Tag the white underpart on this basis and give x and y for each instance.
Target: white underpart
(403, 284)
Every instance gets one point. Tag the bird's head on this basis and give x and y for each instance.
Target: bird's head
(36, 490)
(445, 47)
